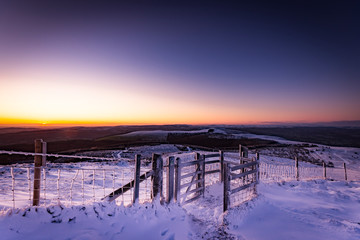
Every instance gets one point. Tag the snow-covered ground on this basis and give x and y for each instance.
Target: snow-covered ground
(336, 155)
(283, 209)
(314, 210)
(97, 221)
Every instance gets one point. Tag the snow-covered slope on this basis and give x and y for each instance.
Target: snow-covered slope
(308, 210)
(311, 210)
(98, 221)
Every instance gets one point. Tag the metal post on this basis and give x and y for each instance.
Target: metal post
(324, 166)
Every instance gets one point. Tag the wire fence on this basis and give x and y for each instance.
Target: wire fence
(271, 172)
(72, 184)
(68, 186)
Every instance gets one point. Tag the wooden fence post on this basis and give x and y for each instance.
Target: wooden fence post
(324, 166)
(37, 172)
(297, 168)
(345, 171)
(221, 153)
(137, 178)
(170, 179)
(177, 179)
(157, 168)
(227, 179)
(257, 156)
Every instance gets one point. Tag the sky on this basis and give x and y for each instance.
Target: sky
(179, 62)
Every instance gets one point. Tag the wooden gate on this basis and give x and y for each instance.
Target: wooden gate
(190, 177)
(238, 177)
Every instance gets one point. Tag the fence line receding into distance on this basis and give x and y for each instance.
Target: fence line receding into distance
(180, 179)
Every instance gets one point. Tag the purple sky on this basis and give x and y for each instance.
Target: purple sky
(180, 62)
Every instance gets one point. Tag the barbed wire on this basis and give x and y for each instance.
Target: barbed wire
(60, 155)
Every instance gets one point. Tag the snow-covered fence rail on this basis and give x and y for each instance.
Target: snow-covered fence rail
(156, 180)
(240, 178)
(186, 177)
(46, 185)
(67, 186)
(60, 155)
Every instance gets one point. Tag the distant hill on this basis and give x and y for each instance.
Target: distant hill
(332, 136)
(355, 124)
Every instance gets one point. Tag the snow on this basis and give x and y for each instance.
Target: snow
(163, 134)
(300, 210)
(316, 209)
(311, 209)
(98, 221)
(266, 137)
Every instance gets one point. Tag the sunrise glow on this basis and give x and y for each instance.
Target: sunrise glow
(120, 72)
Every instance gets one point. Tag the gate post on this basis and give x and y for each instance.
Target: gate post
(37, 171)
(177, 179)
(227, 179)
(157, 167)
(170, 179)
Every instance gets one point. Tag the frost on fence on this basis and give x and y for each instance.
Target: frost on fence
(338, 173)
(67, 186)
(274, 172)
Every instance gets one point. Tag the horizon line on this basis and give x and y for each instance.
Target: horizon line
(267, 123)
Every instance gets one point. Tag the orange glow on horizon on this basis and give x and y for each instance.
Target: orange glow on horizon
(53, 98)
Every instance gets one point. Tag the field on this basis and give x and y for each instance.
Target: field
(312, 208)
